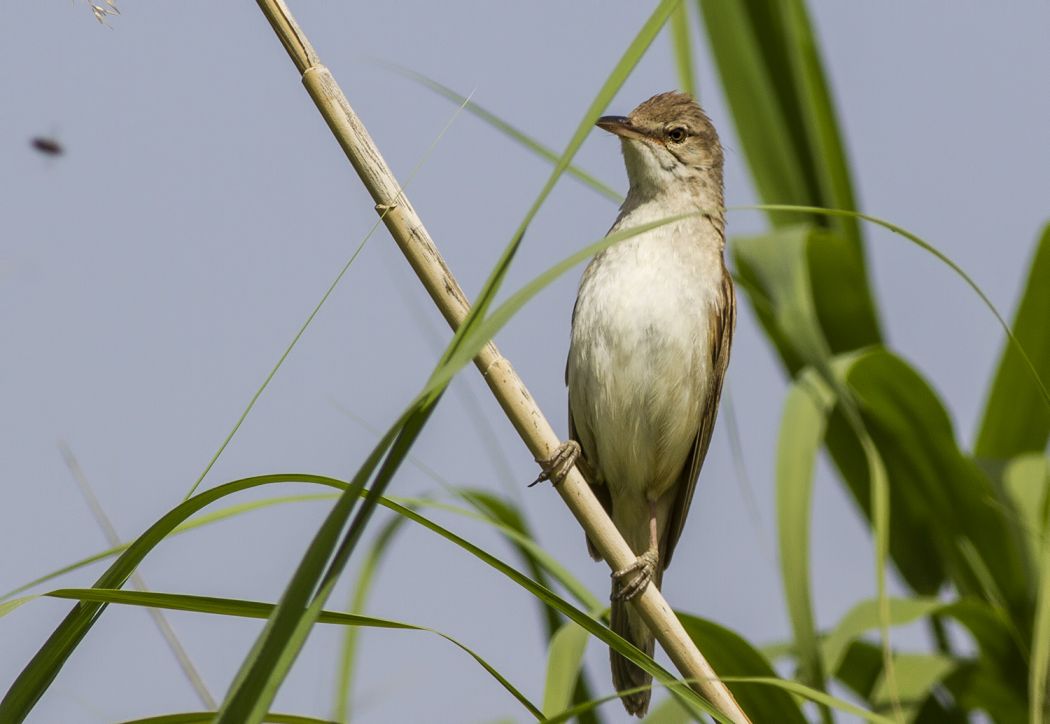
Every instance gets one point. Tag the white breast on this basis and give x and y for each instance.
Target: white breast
(640, 353)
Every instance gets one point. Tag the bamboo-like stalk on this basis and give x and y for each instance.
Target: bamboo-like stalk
(411, 236)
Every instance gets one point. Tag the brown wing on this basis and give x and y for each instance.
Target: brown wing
(721, 338)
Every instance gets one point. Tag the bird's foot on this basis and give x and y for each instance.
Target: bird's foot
(643, 570)
(558, 465)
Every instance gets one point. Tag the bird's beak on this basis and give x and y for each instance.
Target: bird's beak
(620, 126)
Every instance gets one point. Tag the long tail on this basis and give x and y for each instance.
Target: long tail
(625, 673)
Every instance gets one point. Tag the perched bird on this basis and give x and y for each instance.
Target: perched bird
(651, 332)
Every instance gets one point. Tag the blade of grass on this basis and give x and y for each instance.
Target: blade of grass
(808, 403)
(1039, 673)
(201, 520)
(361, 588)
(255, 609)
(630, 58)
(564, 664)
(813, 695)
(205, 717)
(182, 657)
(682, 46)
(317, 308)
(508, 129)
(529, 549)
(267, 664)
(42, 669)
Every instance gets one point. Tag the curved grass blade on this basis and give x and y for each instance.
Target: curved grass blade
(865, 617)
(687, 696)
(317, 308)
(682, 45)
(577, 711)
(538, 561)
(512, 523)
(256, 609)
(201, 520)
(509, 130)
(630, 58)
(205, 717)
(813, 695)
(362, 587)
(164, 627)
(267, 664)
(808, 403)
(667, 712)
(1039, 671)
(730, 655)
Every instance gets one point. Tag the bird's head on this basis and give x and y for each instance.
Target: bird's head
(668, 140)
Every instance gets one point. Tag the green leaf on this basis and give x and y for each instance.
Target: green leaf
(917, 443)
(564, 660)
(994, 681)
(1015, 419)
(1026, 480)
(772, 268)
(733, 658)
(864, 617)
(801, 436)
(917, 674)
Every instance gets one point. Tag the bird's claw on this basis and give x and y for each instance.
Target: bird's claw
(643, 568)
(558, 465)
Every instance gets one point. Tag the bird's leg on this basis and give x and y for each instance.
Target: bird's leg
(558, 465)
(643, 568)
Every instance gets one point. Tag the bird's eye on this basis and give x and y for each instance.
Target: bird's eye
(676, 134)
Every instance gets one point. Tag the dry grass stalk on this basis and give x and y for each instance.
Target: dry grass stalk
(411, 236)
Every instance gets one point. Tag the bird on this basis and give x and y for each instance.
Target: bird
(651, 334)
